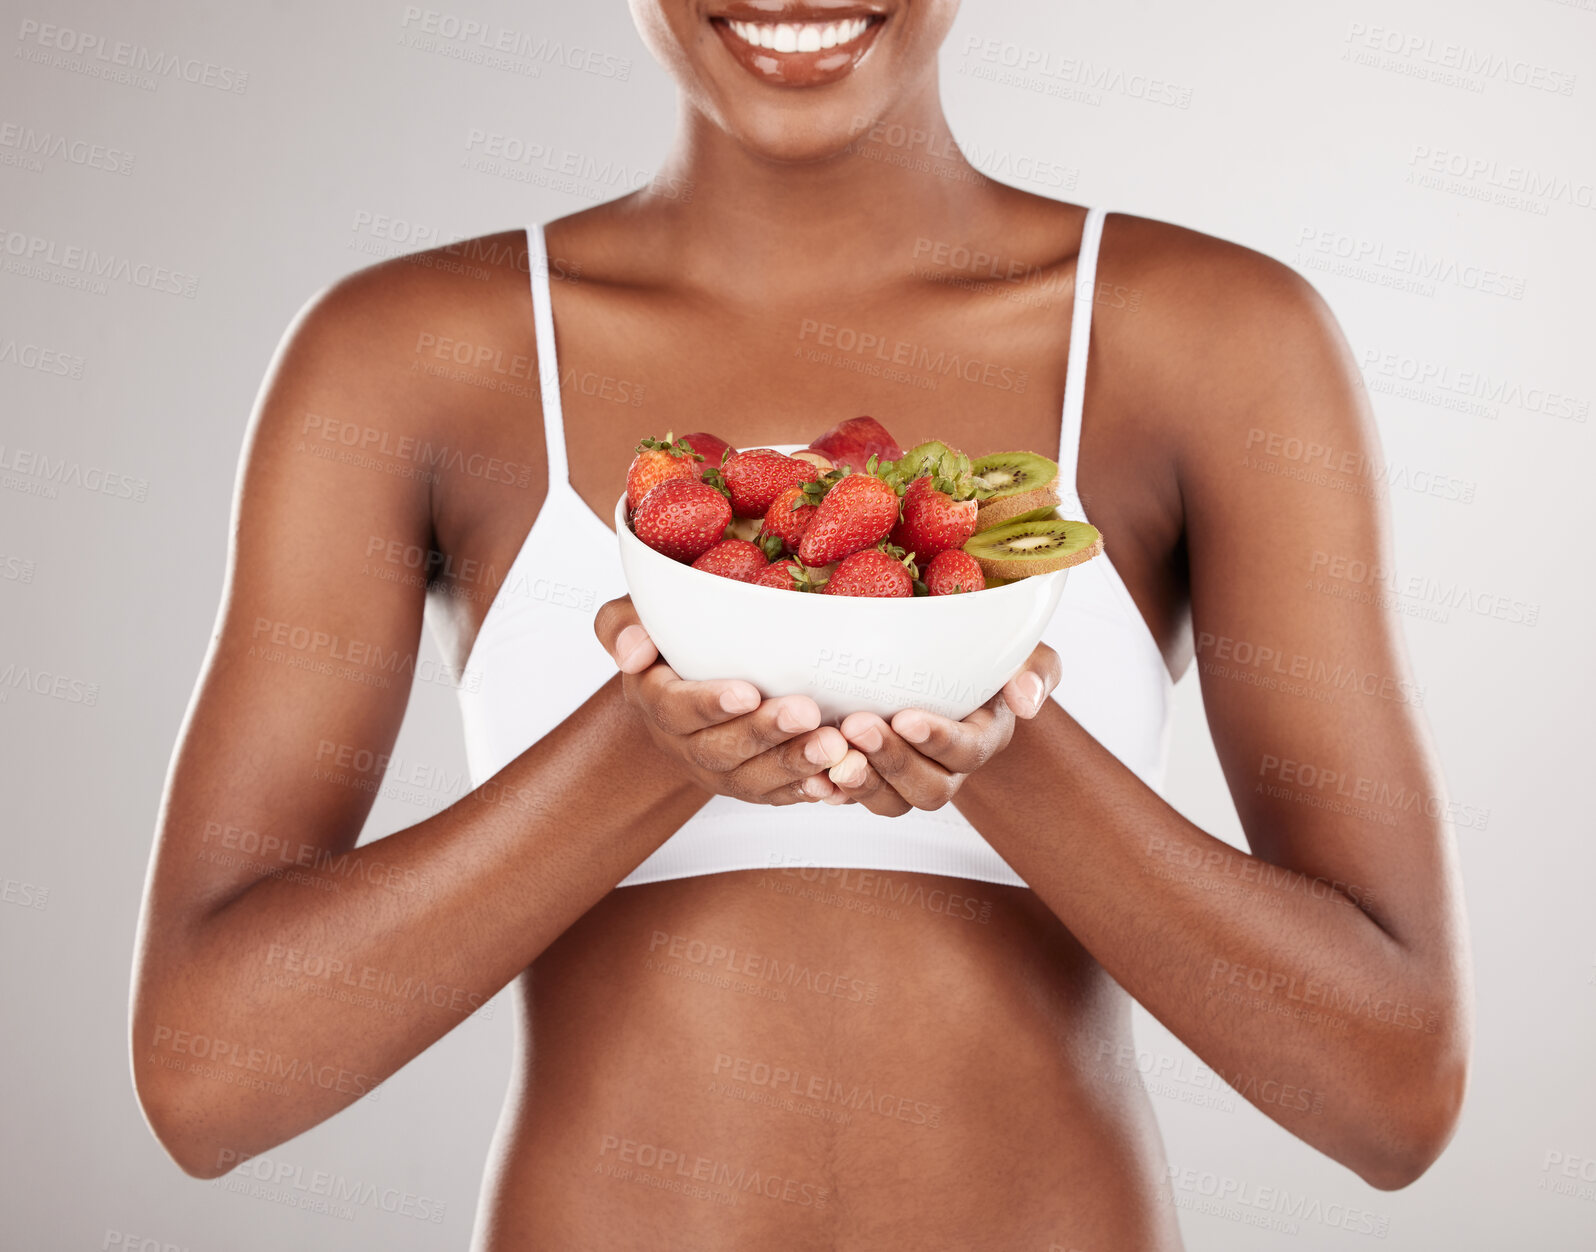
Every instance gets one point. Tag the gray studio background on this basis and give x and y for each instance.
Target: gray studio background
(1311, 132)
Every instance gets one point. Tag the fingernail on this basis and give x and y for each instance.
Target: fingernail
(1031, 685)
(629, 644)
(849, 772)
(868, 739)
(739, 700)
(913, 728)
(816, 752)
(795, 717)
(818, 787)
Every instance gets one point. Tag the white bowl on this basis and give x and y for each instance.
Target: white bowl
(945, 654)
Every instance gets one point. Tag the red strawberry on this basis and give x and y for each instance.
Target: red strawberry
(682, 517)
(784, 576)
(656, 461)
(756, 477)
(855, 441)
(954, 571)
(871, 573)
(933, 521)
(859, 511)
(711, 447)
(733, 558)
(788, 518)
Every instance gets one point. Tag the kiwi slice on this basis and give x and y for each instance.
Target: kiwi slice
(1011, 485)
(1020, 549)
(1006, 474)
(983, 522)
(1023, 506)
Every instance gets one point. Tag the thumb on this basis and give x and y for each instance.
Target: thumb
(623, 636)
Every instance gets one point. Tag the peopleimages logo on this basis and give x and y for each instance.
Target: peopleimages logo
(133, 64)
(336, 1188)
(1043, 65)
(1402, 268)
(1498, 182)
(30, 356)
(35, 473)
(1246, 1201)
(907, 354)
(24, 253)
(473, 40)
(1433, 382)
(30, 148)
(1428, 57)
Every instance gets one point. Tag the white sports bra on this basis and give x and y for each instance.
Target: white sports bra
(536, 660)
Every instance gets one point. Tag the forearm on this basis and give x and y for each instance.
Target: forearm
(1275, 978)
(324, 982)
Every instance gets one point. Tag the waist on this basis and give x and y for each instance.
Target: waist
(737, 1057)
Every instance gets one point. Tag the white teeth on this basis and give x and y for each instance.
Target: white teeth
(799, 36)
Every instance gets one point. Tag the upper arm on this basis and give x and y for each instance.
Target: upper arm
(1313, 707)
(309, 649)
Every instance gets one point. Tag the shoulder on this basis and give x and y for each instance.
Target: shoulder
(404, 304)
(1205, 298)
(392, 373)
(397, 338)
(1214, 338)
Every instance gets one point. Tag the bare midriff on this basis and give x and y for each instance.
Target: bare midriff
(824, 1059)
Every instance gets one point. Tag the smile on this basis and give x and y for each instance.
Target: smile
(818, 48)
(799, 36)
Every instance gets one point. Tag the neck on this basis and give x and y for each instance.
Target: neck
(739, 220)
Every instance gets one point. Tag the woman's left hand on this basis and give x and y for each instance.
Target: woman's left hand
(918, 760)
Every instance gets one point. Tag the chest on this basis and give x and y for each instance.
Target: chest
(982, 371)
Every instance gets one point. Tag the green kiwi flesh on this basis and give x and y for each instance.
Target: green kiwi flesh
(1010, 473)
(1020, 549)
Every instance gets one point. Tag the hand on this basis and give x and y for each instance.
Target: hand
(729, 740)
(919, 759)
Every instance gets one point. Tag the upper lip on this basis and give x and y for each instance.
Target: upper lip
(802, 11)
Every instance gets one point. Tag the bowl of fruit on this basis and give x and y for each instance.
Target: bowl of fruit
(852, 571)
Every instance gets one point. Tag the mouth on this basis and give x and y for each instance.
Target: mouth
(793, 45)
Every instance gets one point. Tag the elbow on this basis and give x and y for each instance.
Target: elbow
(180, 1130)
(1415, 1126)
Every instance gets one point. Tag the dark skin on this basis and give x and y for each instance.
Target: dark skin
(1002, 1009)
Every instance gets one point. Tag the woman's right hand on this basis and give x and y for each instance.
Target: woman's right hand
(729, 740)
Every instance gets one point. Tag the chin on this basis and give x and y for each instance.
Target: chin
(804, 133)
(796, 80)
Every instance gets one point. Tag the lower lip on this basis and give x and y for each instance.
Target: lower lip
(798, 69)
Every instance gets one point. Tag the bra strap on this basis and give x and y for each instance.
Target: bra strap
(1069, 440)
(548, 360)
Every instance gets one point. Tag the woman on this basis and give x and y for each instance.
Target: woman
(802, 1023)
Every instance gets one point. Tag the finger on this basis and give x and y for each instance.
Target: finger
(679, 707)
(782, 796)
(819, 787)
(634, 650)
(618, 629)
(923, 782)
(857, 781)
(788, 764)
(726, 747)
(959, 747)
(1026, 691)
